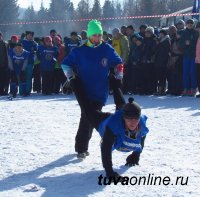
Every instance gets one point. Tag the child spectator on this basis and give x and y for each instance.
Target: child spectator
(59, 77)
(18, 61)
(47, 56)
(31, 46)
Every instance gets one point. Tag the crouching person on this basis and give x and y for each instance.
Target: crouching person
(125, 130)
(18, 61)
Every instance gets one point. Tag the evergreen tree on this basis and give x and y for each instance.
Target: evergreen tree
(129, 10)
(96, 10)
(9, 13)
(108, 12)
(29, 16)
(82, 12)
(58, 9)
(118, 9)
(147, 8)
(42, 15)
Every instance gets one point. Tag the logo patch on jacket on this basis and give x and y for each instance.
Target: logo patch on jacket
(104, 62)
(49, 57)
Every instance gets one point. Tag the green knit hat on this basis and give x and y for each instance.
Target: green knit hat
(94, 27)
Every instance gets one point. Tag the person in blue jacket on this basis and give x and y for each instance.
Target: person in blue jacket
(125, 130)
(71, 43)
(92, 63)
(31, 46)
(17, 63)
(47, 55)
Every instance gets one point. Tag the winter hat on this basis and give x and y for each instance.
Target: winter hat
(144, 26)
(149, 29)
(53, 31)
(172, 28)
(163, 32)
(15, 38)
(30, 32)
(115, 31)
(94, 27)
(190, 21)
(135, 35)
(74, 33)
(131, 110)
(140, 38)
(18, 44)
(181, 22)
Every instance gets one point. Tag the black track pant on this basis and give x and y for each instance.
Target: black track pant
(4, 80)
(37, 78)
(91, 115)
(198, 76)
(47, 82)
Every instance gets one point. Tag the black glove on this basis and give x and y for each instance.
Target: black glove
(133, 159)
(110, 172)
(114, 176)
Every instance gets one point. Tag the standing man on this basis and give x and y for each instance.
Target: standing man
(3, 67)
(91, 63)
(188, 43)
(197, 59)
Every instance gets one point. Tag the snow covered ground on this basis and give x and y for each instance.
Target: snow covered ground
(37, 149)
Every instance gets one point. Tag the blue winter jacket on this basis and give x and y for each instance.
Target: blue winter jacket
(123, 143)
(47, 57)
(92, 65)
(18, 61)
(30, 46)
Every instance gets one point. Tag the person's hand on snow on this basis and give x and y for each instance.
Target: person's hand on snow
(113, 175)
(133, 159)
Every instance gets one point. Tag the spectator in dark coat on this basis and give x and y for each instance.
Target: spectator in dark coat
(174, 70)
(135, 61)
(3, 67)
(161, 60)
(148, 74)
(142, 30)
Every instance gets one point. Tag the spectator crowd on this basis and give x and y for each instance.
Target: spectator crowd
(157, 61)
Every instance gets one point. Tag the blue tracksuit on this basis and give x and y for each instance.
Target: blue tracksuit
(31, 46)
(123, 143)
(47, 57)
(189, 67)
(92, 65)
(17, 65)
(70, 45)
(18, 60)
